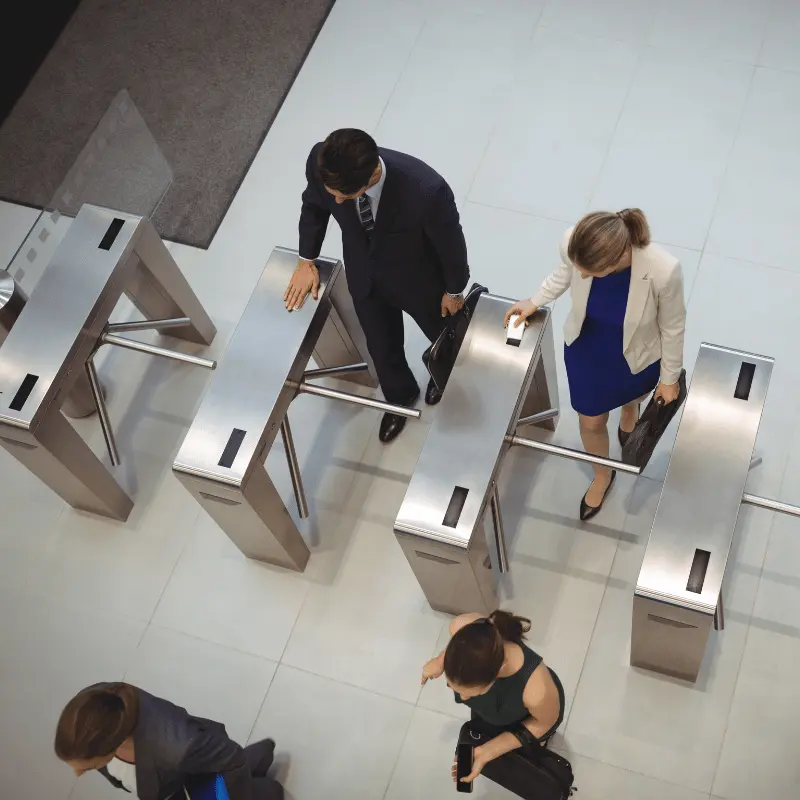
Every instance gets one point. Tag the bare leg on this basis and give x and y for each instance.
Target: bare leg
(594, 435)
(629, 416)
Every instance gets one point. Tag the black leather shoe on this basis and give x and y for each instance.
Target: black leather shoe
(393, 424)
(587, 511)
(432, 393)
(260, 757)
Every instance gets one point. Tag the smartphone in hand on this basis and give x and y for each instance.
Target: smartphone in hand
(464, 756)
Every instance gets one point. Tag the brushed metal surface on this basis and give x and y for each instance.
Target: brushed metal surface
(256, 379)
(248, 392)
(103, 254)
(59, 326)
(491, 383)
(698, 510)
(466, 441)
(706, 477)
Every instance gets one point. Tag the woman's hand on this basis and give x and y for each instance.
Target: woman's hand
(479, 761)
(525, 309)
(668, 392)
(432, 670)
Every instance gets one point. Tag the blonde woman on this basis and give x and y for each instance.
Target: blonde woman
(624, 334)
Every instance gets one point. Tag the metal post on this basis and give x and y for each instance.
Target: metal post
(575, 455)
(102, 413)
(294, 468)
(772, 505)
(368, 402)
(335, 372)
(719, 615)
(148, 325)
(542, 416)
(151, 349)
(499, 532)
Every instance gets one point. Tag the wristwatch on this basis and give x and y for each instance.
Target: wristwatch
(459, 296)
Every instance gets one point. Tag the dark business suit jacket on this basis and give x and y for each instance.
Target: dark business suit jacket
(417, 246)
(170, 745)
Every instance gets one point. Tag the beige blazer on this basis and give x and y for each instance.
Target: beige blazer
(655, 318)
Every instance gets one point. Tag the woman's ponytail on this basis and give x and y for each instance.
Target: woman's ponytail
(510, 627)
(636, 223)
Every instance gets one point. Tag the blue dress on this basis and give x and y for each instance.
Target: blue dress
(600, 379)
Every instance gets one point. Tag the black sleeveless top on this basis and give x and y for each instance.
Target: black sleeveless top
(502, 705)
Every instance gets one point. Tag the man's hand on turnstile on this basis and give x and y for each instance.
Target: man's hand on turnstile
(524, 308)
(305, 279)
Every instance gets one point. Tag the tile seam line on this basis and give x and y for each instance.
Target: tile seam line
(623, 104)
(307, 671)
(596, 618)
(749, 626)
(731, 149)
(402, 72)
(191, 531)
(508, 89)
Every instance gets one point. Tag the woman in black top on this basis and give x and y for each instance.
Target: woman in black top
(490, 669)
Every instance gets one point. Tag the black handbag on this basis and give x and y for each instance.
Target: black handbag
(440, 357)
(651, 426)
(531, 772)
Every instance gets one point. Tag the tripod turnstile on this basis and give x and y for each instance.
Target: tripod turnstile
(46, 359)
(678, 597)
(221, 461)
(441, 523)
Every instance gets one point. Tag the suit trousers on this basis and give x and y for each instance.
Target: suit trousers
(381, 318)
(259, 757)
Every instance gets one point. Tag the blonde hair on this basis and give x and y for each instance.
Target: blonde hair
(601, 238)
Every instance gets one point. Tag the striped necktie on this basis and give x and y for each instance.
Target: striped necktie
(365, 215)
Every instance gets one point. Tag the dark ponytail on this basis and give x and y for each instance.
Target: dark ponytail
(476, 653)
(97, 721)
(509, 626)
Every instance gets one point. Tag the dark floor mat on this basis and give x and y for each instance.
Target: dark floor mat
(207, 76)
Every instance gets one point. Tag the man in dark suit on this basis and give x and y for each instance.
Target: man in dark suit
(156, 750)
(404, 250)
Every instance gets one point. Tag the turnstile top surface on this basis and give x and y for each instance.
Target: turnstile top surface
(480, 406)
(246, 398)
(64, 313)
(705, 479)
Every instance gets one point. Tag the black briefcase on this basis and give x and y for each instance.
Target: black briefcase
(440, 357)
(531, 772)
(651, 426)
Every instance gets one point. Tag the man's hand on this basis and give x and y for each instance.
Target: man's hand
(668, 392)
(451, 305)
(305, 279)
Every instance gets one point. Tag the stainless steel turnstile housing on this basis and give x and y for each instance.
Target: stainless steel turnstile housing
(221, 461)
(441, 525)
(678, 598)
(47, 356)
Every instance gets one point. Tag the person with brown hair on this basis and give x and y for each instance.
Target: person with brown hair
(624, 334)
(490, 669)
(156, 750)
